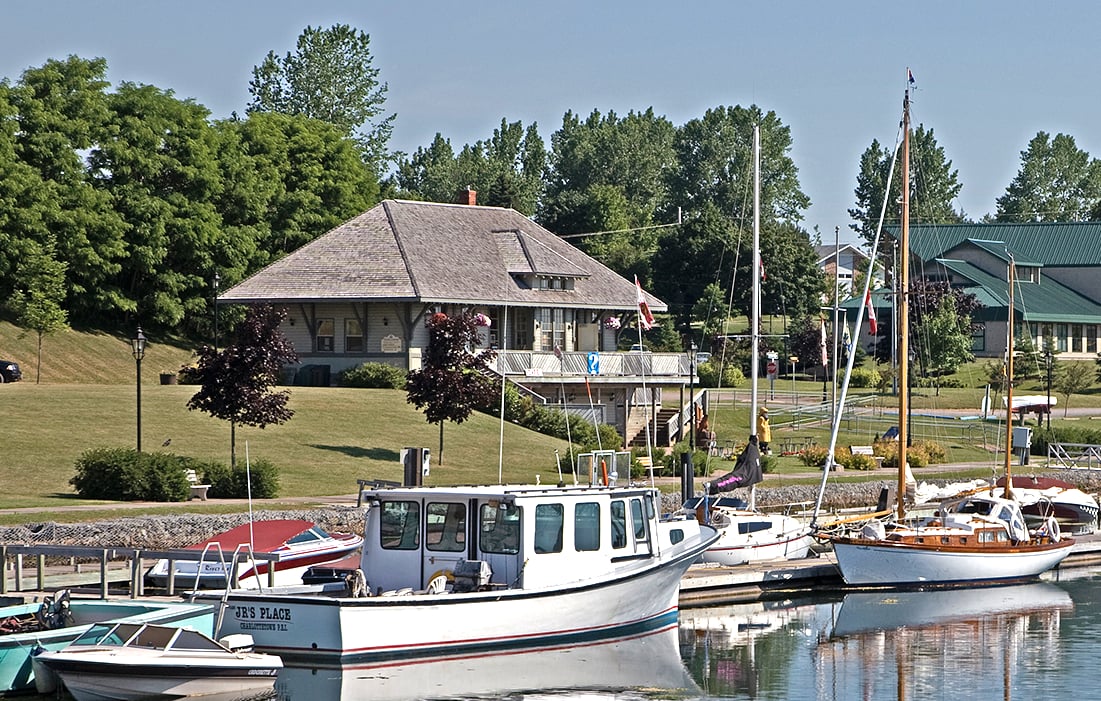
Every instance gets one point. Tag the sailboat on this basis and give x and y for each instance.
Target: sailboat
(746, 534)
(970, 538)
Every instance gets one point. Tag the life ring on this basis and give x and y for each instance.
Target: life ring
(1052, 527)
(437, 583)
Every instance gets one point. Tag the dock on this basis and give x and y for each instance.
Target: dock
(712, 585)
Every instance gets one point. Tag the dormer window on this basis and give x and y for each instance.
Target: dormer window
(555, 283)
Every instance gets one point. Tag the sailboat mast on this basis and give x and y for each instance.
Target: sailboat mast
(755, 294)
(904, 310)
(1009, 384)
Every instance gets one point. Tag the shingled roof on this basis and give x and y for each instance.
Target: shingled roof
(438, 253)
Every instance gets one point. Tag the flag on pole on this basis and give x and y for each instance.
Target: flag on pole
(846, 340)
(645, 318)
(763, 276)
(873, 327)
(822, 342)
(910, 76)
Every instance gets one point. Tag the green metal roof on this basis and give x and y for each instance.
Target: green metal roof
(1002, 251)
(1043, 301)
(1055, 244)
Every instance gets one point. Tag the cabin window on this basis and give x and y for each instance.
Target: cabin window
(753, 527)
(548, 528)
(400, 525)
(676, 535)
(639, 519)
(323, 340)
(446, 529)
(500, 529)
(619, 524)
(586, 526)
(353, 336)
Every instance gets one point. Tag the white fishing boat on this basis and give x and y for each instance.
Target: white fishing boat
(452, 570)
(970, 538)
(58, 620)
(747, 534)
(144, 662)
(299, 544)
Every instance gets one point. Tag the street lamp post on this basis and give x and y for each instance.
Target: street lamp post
(692, 395)
(137, 344)
(1048, 363)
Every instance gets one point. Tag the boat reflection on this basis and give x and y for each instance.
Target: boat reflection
(649, 662)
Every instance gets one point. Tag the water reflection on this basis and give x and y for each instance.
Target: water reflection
(643, 666)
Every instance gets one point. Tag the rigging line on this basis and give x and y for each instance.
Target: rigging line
(625, 231)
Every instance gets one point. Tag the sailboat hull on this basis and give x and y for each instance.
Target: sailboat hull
(752, 536)
(866, 562)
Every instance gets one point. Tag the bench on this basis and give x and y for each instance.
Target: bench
(197, 490)
(647, 462)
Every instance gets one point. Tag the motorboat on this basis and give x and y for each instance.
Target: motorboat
(147, 662)
(478, 569)
(299, 545)
(58, 620)
(1041, 497)
(749, 535)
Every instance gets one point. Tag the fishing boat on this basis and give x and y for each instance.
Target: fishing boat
(476, 569)
(299, 544)
(146, 662)
(970, 538)
(59, 620)
(747, 534)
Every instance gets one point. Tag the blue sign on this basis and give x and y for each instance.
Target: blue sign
(594, 363)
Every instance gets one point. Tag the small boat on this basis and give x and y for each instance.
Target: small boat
(299, 544)
(131, 662)
(747, 534)
(479, 569)
(969, 539)
(1041, 497)
(59, 620)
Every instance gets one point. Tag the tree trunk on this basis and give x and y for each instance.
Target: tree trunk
(440, 459)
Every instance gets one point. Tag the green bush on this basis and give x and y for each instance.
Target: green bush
(226, 483)
(858, 462)
(708, 374)
(863, 377)
(124, 474)
(373, 376)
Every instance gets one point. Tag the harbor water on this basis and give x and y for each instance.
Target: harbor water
(1025, 641)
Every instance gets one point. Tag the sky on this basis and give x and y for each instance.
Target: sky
(989, 75)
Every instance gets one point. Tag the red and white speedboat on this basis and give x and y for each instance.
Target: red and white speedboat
(1041, 497)
(299, 544)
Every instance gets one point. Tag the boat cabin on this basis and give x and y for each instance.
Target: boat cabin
(477, 538)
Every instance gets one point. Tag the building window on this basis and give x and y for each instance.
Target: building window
(1091, 338)
(326, 333)
(1075, 338)
(552, 329)
(978, 337)
(1061, 338)
(353, 336)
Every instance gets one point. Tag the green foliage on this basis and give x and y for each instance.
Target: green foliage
(711, 309)
(672, 459)
(234, 482)
(374, 375)
(1072, 378)
(864, 377)
(708, 374)
(523, 411)
(124, 474)
(451, 382)
(815, 456)
(858, 462)
(1057, 181)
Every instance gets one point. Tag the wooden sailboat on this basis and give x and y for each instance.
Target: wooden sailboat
(746, 534)
(970, 538)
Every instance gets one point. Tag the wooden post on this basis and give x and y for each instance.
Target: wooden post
(41, 572)
(19, 572)
(103, 574)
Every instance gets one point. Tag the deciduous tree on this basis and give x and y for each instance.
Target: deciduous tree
(1057, 182)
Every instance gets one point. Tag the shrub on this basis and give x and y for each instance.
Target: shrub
(814, 456)
(708, 374)
(863, 377)
(858, 462)
(373, 376)
(934, 452)
(124, 474)
(226, 483)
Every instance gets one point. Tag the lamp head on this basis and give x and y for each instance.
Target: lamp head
(137, 344)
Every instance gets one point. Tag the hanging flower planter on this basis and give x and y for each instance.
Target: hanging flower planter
(611, 323)
(482, 320)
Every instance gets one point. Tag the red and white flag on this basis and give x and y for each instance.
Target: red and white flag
(822, 343)
(872, 326)
(645, 318)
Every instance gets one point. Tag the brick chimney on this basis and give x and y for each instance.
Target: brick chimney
(467, 196)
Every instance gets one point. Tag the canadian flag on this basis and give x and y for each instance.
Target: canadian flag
(645, 318)
(872, 326)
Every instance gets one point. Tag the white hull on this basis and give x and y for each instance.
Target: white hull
(886, 563)
(308, 627)
(125, 685)
(782, 538)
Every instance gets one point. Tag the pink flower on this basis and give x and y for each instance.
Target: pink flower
(482, 320)
(611, 322)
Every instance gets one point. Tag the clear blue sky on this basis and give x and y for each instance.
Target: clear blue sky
(990, 75)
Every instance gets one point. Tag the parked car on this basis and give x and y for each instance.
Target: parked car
(9, 371)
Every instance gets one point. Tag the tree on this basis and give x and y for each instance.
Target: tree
(1072, 378)
(237, 381)
(934, 186)
(452, 381)
(329, 77)
(711, 309)
(1057, 182)
(947, 340)
(38, 306)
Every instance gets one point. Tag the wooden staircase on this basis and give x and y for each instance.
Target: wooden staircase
(662, 438)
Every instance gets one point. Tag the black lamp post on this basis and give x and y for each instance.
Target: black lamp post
(217, 280)
(1048, 363)
(137, 344)
(692, 395)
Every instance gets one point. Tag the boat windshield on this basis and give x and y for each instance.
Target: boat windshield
(193, 640)
(108, 634)
(308, 536)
